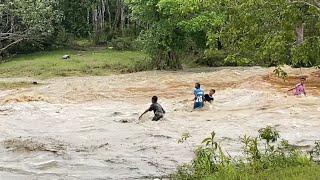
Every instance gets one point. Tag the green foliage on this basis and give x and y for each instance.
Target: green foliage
(75, 16)
(243, 34)
(250, 148)
(176, 27)
(135, 66)
(184, 137)
(27, 24)
(37, 17)
(234, 60)
(209, 158)
(307, 54)
(266, 32)
(315, 152)
(124, 43)
(269, 134)
(270, 162)
(287, 173)
(279, 72)
(212, 57)
(212, 32)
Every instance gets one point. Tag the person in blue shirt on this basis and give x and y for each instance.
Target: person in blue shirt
(198, 97)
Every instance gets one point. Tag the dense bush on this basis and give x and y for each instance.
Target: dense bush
(135, 66)
(212, 58)
(124, 43)
(308, 54)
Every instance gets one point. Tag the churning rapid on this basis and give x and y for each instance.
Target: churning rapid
(88, 128)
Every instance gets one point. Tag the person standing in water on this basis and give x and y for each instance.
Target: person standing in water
(156, 108)
(299, 89)
(198, 97)
(209, 97)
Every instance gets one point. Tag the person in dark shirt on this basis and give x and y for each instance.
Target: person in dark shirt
(209, 97)
(156, 108)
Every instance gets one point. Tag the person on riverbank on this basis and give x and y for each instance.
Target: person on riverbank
(156, 108)
(299, 89)
(209, 97)
(198, 96)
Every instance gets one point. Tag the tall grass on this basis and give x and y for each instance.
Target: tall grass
(264, 157)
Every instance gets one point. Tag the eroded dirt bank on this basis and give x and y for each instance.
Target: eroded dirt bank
(87, 128)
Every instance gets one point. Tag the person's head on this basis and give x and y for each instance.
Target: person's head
(303, 80)
(154, 99)
(197, 85)
(211, 92)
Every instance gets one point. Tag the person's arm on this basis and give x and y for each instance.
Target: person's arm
(291, 89)
(144, 113)
(151, 108)
(195, 95)
(163, 110)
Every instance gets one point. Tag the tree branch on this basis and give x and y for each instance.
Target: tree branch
(11, 44)
(316, 5)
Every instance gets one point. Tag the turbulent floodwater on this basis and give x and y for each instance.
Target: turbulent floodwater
(87, 127)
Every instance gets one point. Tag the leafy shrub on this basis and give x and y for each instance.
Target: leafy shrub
(211, 161)
(100, 38)
(63, 39)
(307, 54)
(136, 66)
(279, 72)
(124, 43)
(212, 58)
(235, 60)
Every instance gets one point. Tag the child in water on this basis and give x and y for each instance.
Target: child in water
(299, 89)
(209, 97)
(156, 108)
(198, 97)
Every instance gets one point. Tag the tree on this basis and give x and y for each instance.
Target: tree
(271, 33)
(174, 27)
(28, 20)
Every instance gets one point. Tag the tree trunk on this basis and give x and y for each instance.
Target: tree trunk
(109, 15)
(100, 22)
(122, 17)
(174, 61)
(167, 60)
(103, 11)
(300, 34)
(95, 20)
(116, 17)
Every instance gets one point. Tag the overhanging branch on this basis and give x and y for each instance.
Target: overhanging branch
(11, 44)
(316, 4)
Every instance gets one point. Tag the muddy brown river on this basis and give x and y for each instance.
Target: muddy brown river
(88, 128)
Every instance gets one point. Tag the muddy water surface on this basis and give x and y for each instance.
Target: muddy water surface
(87, 127)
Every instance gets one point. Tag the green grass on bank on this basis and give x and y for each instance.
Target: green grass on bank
(311, 172)
(93, 62)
